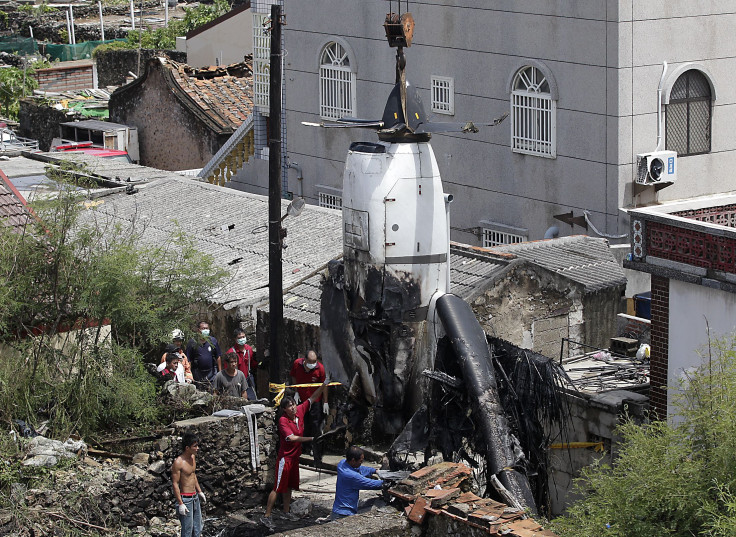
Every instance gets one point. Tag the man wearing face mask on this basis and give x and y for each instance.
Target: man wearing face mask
(204, 356)
(246, 363)
(309, 371)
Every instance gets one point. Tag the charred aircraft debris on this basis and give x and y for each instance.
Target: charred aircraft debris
(409, 348)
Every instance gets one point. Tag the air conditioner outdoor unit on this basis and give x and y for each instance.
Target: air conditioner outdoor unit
(656, 168)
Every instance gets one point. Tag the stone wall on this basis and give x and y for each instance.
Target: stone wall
(41, 122)
(224, 470)
(113, 65)
(170, 135)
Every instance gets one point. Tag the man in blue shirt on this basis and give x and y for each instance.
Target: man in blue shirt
(352, 477)
(204, 356)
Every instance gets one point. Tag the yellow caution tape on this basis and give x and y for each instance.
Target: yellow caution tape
(280, 389)
(597, 446)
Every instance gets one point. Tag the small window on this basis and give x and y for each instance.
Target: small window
(261, 62)
(331, 201)
(443, 95)
(492, 237)
(336, 83)
(688, 115)
(533, 114)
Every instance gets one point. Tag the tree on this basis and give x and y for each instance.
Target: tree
(14, 85)
(670, 478)
(69, 270)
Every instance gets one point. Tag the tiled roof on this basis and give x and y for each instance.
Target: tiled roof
(229, 225)
(227, 99)
(585, 260)
(13, 210)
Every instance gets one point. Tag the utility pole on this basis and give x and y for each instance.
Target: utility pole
(275, 278)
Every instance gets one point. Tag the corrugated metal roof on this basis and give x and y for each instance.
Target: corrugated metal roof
(229, 225)
(585, 260)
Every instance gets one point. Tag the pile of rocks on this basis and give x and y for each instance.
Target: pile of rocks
(107, 493)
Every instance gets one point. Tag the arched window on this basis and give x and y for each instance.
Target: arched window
(688, 114)
(336, 83)
(533, 112)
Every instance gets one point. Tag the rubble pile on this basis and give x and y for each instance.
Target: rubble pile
(136, 491)
(443, 490)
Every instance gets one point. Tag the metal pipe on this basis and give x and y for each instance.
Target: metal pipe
(299, 178)
(659, 107)
(71, 16)
(102, 23)
(30, 29)
(68, 28)
(448, 200)
(166, 13)
(275, 277)
(132, 15)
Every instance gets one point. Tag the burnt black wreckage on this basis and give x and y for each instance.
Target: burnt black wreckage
(390, 328)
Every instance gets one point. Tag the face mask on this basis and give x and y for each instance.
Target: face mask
(311, 366)
(205, 332)
(242, 340)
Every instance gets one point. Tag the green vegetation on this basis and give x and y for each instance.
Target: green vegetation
(675, 478)
(37, 10)
(82, 304)
(14, 85)
(165, 38)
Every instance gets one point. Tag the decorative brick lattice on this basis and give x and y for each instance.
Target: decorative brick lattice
(724, 215)
(691, 247)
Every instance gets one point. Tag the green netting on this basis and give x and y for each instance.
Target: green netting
(18, 45)
(88, 110)
(80, 51)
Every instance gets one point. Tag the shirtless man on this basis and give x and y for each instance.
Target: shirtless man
(187, 492)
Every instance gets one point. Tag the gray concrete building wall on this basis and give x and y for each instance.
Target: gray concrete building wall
(226, 43)
(603, 59)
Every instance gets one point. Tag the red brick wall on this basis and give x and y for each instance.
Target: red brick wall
(659, 355)
(65, 78)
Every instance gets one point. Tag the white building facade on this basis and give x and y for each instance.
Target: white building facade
(580, 81)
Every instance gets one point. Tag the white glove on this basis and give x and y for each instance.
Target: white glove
(297, 400)
(325, 408)
(183, 509)
(202, 497)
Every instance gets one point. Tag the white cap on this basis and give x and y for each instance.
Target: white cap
(177, 334)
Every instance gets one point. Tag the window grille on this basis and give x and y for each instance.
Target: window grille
(443, 95)
(331, 201)
(336, 83)
(688, 115)
(533, 114)
(261, 59)
(491, 237)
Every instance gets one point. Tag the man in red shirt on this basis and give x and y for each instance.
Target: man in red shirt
(246, 363)
(291, 437)
(309, 371)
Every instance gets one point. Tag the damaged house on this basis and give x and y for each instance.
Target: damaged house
(184, 115)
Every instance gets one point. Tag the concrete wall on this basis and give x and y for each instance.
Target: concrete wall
(696, 313)
(227, 42)
(605, 57)
(593, 419)
(170, 137)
